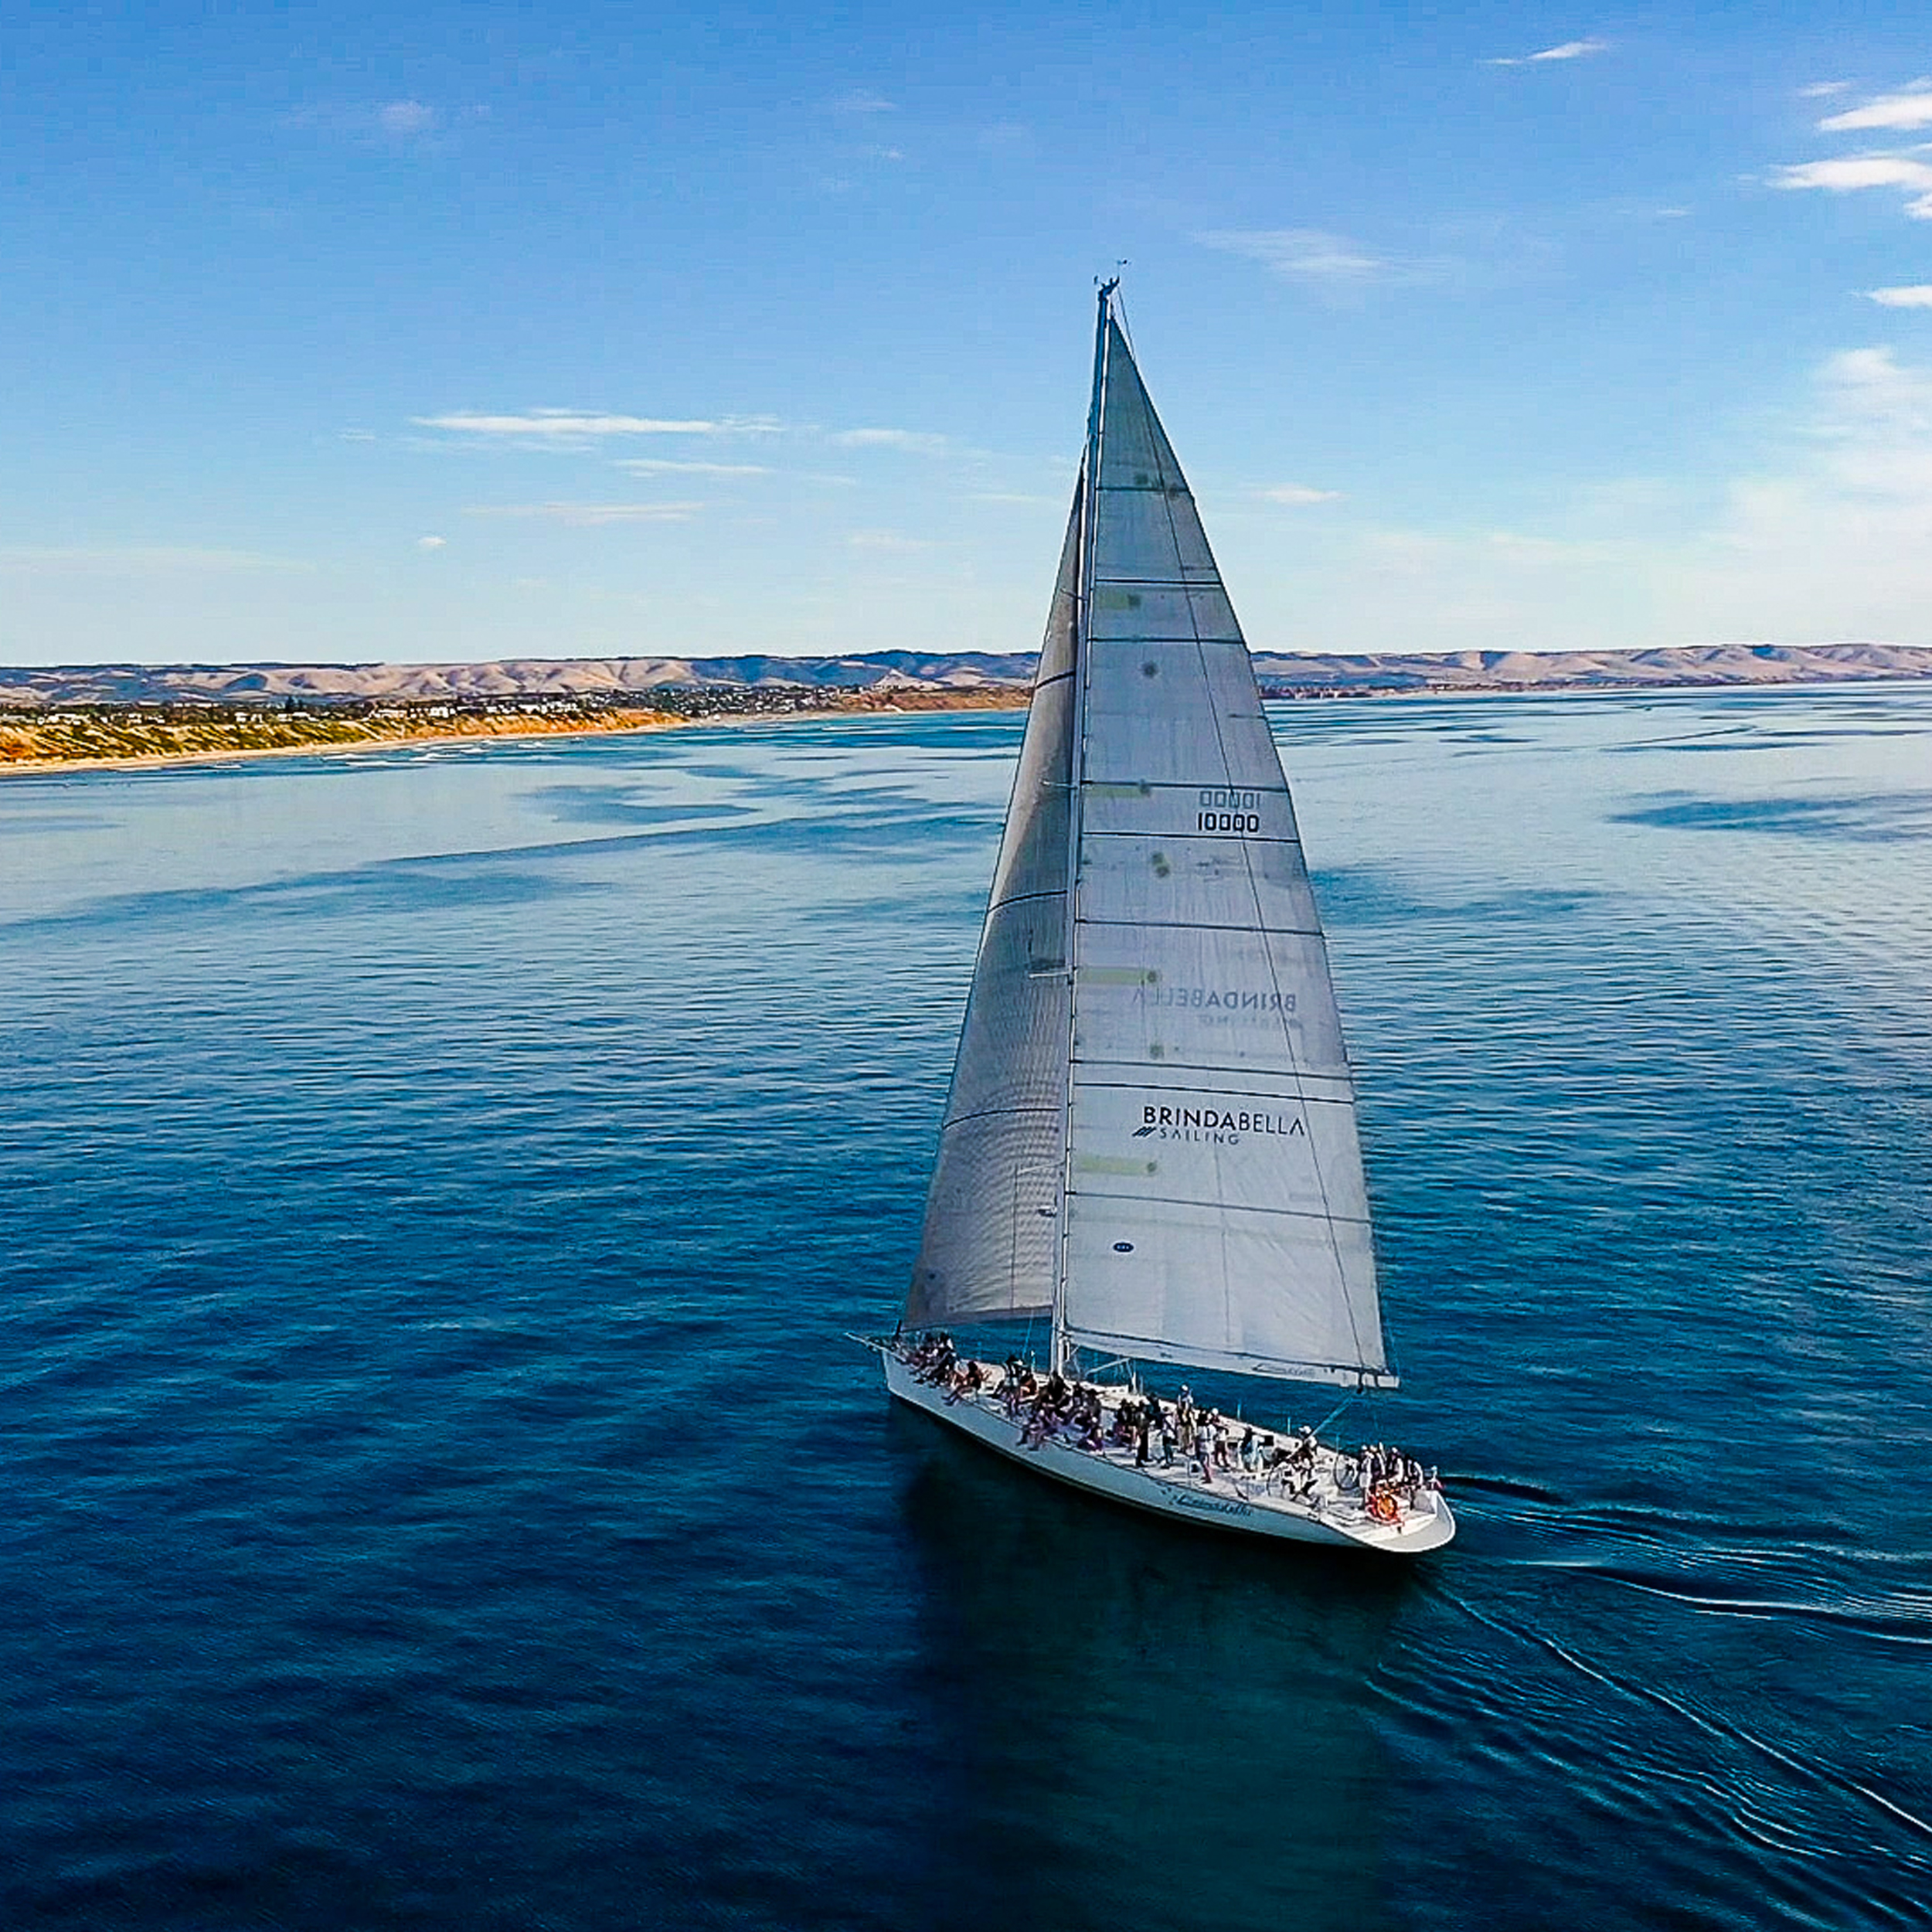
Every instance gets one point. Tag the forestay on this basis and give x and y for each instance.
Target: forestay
(1169, 1164)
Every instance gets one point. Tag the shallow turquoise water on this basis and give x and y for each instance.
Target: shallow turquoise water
(438, 1184)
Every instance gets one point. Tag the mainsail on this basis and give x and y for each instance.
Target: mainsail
(1151, 1132)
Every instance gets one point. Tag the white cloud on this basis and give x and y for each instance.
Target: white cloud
(1850, 172)
(888, 540)
(430, 543)
(1840, 545)
(1008, 138)
(566, 422)
(1298, 254)
(1824, 89)
(1911, 107)
(1832, 542)
(918, 442)
(1919, 295)
(1567, 50)
(135, 560)
(405, 118)
(1299, 494)
(862, 100)
(669, 466)
(590, 515)
(1826, 537)
(397, 124)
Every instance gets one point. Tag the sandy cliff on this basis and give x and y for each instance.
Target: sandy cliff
(963, 671)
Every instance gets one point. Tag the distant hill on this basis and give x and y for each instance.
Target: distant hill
(1682, 665)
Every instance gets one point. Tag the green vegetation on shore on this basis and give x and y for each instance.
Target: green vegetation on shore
(72, 734)
(39, 735)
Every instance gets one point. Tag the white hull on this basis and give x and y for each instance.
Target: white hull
(1232, 1502)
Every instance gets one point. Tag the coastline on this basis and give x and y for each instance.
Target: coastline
(475, 729)
(478, 732)
(329, 747)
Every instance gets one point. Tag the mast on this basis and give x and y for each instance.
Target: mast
(1058, 1350)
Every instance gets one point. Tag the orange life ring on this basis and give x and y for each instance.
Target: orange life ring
(1383, 1507)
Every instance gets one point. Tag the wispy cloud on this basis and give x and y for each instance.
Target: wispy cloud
(1565, 50)
(1849, 172)
(430, 543)
(566, 422)
(670, 466)
(1824, 89)
(591, 514)
(1918, 295)
(410, 123)
(135, 560)
(1297, 495)
(887, 540)
(1911, 107)
(405, 118)
(1008, 138)
(916, 442)
(861, 100)
(1841, 544)
(1298, 254)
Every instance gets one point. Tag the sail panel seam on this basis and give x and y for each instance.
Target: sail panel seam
(993, 1114)
(1204, 926)
(1323, 1216)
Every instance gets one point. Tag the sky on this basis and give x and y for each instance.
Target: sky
(438, 332)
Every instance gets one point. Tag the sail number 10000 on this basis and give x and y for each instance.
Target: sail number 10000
(1230, 812)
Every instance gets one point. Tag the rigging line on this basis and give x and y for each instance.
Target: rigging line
(1335, 1414)
(1247, 859)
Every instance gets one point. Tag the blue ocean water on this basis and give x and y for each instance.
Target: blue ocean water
(438, 1492)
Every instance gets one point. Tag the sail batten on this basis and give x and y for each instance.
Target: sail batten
(1151, 1132)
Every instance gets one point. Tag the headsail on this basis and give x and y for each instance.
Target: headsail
(1216, 1210)
(991, 1242)
(1151, 1129)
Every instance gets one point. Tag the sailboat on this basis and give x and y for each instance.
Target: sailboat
(1150, 1144)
